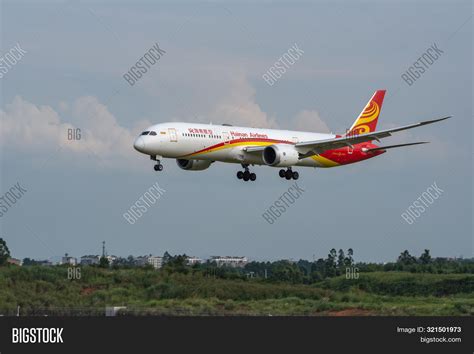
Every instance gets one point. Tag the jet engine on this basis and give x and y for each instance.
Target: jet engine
(280, 155)
(193, 165)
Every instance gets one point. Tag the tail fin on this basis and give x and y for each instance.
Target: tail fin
(366, 122)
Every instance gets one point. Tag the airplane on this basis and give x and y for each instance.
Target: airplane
(196, 146)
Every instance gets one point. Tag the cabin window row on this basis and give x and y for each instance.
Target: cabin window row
(201, 136)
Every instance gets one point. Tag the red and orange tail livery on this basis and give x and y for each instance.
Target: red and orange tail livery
(367, 120)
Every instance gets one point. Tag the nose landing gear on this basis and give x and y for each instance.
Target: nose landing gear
(158, 166)
(289, 174)
(246, 175)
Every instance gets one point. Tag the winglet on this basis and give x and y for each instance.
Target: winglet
(434, 120)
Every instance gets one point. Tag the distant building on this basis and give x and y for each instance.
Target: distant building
(45, 263)
(155, 261)
(229, 261)
(193, 260)
(90, 260)
(141, 261)
(111, 259)
(14, 261)
(69, 260)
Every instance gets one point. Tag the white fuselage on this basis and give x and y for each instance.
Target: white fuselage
(223, 143)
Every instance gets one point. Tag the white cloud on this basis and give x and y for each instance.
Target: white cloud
(240, 108)
(236, 105)
(213, 89)
(28, 127)
(310, 121)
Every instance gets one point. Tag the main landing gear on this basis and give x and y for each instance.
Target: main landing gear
(158, 166)
(246, 175)
(289, 174)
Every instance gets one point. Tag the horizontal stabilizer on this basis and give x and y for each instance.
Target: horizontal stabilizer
(307, 148)
(395, 146)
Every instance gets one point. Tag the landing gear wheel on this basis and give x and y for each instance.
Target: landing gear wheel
(246, 175)
(288, 174)
(158, 167)
(282, 173)
(296, 175)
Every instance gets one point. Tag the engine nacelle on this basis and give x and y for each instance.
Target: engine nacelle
(280, 155)
(193, 165)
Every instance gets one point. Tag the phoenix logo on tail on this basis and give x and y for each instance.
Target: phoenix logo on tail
(367, 120)
(196, 146)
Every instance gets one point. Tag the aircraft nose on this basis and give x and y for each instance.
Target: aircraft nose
(139, 144)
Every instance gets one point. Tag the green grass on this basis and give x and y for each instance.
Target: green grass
(402, 283)
(145, 291)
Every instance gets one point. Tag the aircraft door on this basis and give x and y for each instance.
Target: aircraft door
(173, 135)
(226, 137)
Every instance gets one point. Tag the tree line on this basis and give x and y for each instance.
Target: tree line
(336, 263)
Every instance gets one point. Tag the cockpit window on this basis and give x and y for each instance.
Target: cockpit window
(145, 133)
(152, 133)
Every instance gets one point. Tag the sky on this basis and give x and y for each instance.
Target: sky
(70, 76)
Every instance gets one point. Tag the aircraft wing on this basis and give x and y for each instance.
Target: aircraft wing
(319, 146)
